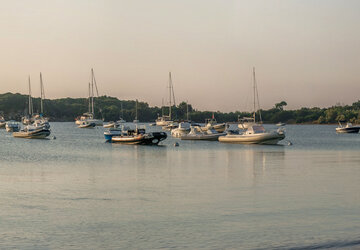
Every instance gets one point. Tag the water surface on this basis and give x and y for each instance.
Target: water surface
(76, 191)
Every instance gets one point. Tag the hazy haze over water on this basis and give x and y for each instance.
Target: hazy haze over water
(305, 52)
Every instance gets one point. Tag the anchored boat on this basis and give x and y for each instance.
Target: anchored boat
(349, 128)
(31, 132)
(255, 133)
(12, 126)
(196, 133)
(140, 137)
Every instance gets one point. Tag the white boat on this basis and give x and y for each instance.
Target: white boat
(196, 133)
(182, 129)
(12, 126)
(170, 126)
(2, 122)
(212, 124)
(165, 120)
(31, 132)
(349, 128)
(139, 137)
(280, 124)
(255, 133)
(121, 120)
(245, 122)
(111, 125)
(89, 116)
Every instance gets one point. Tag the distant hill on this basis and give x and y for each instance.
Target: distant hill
(14, 106)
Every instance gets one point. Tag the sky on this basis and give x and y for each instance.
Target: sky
(306, 52)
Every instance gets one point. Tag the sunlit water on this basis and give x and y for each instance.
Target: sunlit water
(76, 191)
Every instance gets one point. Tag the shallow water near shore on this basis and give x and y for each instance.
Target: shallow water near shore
(76, 191)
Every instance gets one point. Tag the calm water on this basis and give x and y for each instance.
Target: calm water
(79, 192)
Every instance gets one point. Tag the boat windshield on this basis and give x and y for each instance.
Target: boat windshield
(256, 129)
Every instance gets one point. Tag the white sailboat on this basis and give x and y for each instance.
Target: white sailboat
(28, 119)
(165, 120)
(89, 117)
(255, 133)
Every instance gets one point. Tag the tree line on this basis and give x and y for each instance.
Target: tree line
(14, 106)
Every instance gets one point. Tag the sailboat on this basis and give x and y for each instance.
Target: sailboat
(89, 117)
(38, 119)
(255, 133)
(136, 113)
(165, 120)
(28, 118)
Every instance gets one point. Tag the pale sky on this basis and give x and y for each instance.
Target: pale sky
(306, 52)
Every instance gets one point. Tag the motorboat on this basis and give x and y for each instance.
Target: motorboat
(121, 120)
(280, 124)
(182, 129)
(111, 125)
(12, 126)
(140, 137)
(348, 128)
(2, 122)
(87, 124)
(255, 134)
(40, 121)
(112, 132)
(32, 132)
(245, 122)
(196, 133)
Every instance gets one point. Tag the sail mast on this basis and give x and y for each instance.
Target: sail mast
(92, 91)
(254, 93)
(170, 95)
(136, 110)
(89, 98)
(41, 95)
(30, 100)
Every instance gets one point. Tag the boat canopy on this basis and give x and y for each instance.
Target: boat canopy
(255, 129)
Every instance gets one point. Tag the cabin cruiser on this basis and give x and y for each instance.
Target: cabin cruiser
(255, 134)
(32, 132)
(163, 121)
(2, 122)
(12, 126)
(139, 136)
(349, 128)
(196, 133)
(182, 129)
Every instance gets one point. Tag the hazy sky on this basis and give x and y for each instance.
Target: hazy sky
(305, 52)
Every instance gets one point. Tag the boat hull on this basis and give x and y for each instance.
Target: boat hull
(89, 125)
(211, 137)
(263, 138)
(141, 139)
(352, 130)
(36, 134)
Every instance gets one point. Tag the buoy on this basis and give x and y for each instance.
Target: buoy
(176, 144)
(54, 138)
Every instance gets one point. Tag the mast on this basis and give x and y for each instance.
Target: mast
(187, 110)
(254, 92)
(136, 110)
(170, 95)
(89, 98)
(42, 95)
(92, 91)
(122, 111)
(30, 100)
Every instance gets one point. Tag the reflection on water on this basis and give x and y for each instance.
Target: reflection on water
(79, 192)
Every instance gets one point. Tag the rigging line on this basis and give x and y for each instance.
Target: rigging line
(257, 96)
(96, 88)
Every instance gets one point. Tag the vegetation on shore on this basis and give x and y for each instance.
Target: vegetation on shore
(14, 106)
